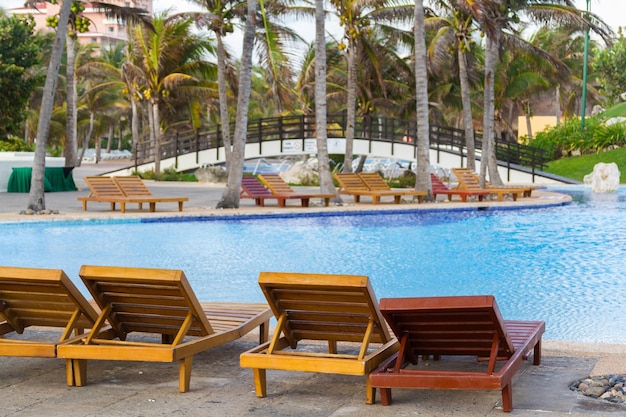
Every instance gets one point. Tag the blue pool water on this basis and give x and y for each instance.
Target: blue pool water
(564, 264)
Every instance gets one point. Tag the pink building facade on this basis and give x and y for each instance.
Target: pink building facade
(103, 31)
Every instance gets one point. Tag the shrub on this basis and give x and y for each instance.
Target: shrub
(168, 174)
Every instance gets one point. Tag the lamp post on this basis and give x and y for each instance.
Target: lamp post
(585, 65)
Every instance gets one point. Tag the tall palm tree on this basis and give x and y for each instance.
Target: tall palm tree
(357, 18)
(422, 180)
(498, 20)
(230, 198)
(321, 110)
(166, 57)
(455, 30)
(36, 197)
(220, 18)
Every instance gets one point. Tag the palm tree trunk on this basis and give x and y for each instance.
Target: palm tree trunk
(230, 198)
(488, 161)
(326, 181)
(422, 180)
(223, 98)
(71, 117)
(36, 197)
(468, 121)
(156, 126)
(350, 105)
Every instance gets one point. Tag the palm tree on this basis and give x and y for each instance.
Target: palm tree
(165, 58)
(455, 30)
(321, 110)
(357, 17)
(422, 180)
(219, 18)
(230, 198)
(498, 20)
(36, 197)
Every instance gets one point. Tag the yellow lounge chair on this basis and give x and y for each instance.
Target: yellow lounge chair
(45, 298)
(352, 184)
(278, 186)
(134, 187)
(470, 181)
(314, 308)
(149, 302)
(375, 182)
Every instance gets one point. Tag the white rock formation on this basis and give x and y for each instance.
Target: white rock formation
(604, 178)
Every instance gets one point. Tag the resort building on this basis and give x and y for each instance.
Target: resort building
(103, 31)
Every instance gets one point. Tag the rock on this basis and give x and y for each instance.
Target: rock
(595, 392)
(301, 173)
(212, 174)
(604, 178)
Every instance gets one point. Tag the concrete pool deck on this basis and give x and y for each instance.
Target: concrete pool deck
(219, 387)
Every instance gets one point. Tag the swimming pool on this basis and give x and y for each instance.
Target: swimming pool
(564, 264)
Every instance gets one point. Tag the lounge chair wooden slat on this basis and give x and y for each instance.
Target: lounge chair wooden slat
(354, 185)
(55, 304)
(185, 325)
(304, 323)
(251, 187)
(514, 341)
(108, 190)
(277, 185)
(470, 181)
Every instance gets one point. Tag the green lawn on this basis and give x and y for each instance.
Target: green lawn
(579, 166)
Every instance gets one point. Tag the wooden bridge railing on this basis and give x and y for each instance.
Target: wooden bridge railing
(374, 128)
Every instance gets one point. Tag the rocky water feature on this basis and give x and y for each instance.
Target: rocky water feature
(608, 388)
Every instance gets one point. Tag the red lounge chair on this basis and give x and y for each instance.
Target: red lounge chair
(440, 188)
(459, 326)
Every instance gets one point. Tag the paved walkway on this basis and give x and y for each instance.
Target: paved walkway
(219, 387)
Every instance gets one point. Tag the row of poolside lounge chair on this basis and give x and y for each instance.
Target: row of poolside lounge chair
(131, 189)
(325, 323)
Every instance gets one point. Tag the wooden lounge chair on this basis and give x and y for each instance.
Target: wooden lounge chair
(470, 181)
(460, 326)
(440, 188)
(45, 298)
(134, 187)
(251, 187)
(352, 184)
(277, 185)
(375, 182)
(314, 308)
(149, 302)
(107, 190)
(526, 191)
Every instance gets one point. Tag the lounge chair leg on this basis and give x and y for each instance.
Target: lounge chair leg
(385, 396)
(264, 332)
(507, 398)
(184, 376)
(260, 382)
(537, 353)
(76, 370)
(370, 392)
(152, 207)
(180, 206)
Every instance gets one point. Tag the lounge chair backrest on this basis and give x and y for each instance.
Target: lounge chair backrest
(437, 184)
(275, 183)
(133, 186)
(467, 179)
(146, 300)
(253, 187)
(374, 181)
(104, 187)
(324, 307)
(42, 297)
(465, 325)
(350, 182)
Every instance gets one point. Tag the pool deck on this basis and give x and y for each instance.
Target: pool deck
(219, 387)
